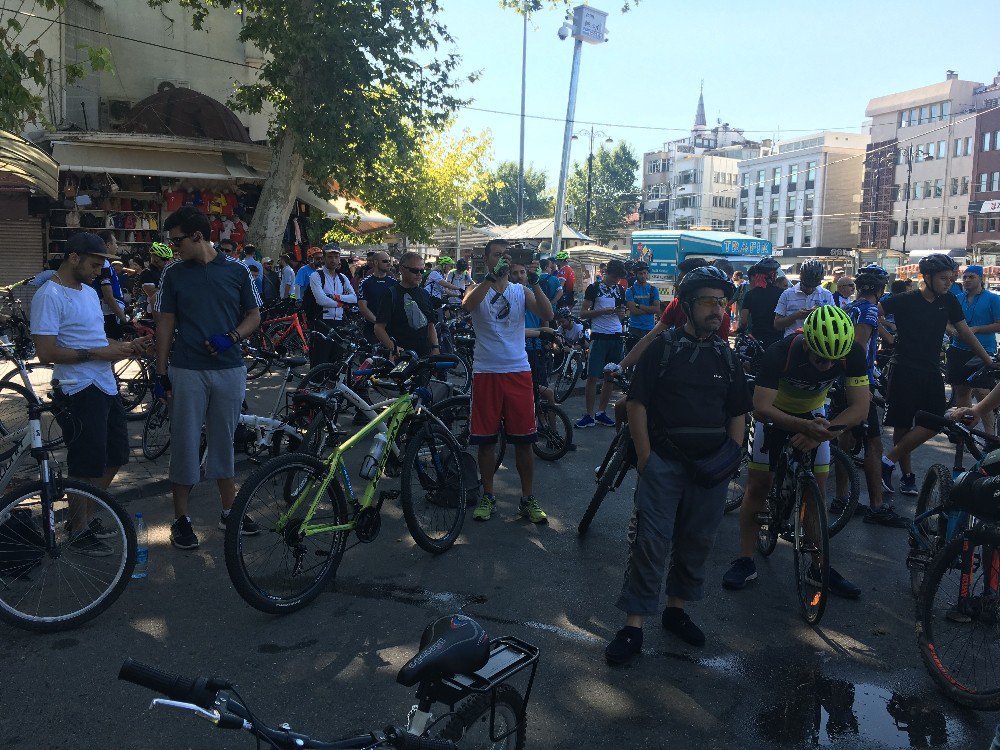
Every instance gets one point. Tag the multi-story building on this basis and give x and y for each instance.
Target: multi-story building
(804, 196)
(691, 181)
(919, 169)
(984, 204)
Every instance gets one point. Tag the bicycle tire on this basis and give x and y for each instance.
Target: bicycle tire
(767, 539)
(931, 620)
(566, 380)
(239, 548)
(934, 491)
(432, 458)
(133, 380)
(469, 725)
(812, 597)
(156, 431)
(39, 379)
(103, 589)
(552, 444)
(256, 366)
(291, 345)
(840, 460)
(737, 487)
(455, 412)
(457, 378)
(320, 440)
(604, 481)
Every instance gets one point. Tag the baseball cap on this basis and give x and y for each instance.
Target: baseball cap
(978, 270)
(313, 252)
(88, 243)
(267, 260)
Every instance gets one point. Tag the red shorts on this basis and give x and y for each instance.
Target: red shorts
(509, 396)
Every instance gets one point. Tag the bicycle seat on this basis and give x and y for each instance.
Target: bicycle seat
(448, 646)
(294, 361)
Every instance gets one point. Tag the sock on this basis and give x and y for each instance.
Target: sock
(887, 462)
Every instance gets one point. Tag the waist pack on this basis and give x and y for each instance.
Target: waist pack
(715, 468)
(21, 543)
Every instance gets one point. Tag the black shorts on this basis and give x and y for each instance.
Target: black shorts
(96, 432)
(873, 424)
(958, 369)
(911, 390)
(539, 365)
(112, 328)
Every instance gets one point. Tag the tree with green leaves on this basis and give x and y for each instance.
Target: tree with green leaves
(347, 85)
(25, 70)
(614, 191)
(500, 201)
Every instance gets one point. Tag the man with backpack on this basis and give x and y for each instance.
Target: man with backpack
(328, 292)
(405, 317)
(686, 407)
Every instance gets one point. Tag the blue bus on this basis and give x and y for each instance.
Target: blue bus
(662, 249)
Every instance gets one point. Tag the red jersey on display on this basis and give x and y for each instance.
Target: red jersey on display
(174, 199)
(568, 275)
(216, 229)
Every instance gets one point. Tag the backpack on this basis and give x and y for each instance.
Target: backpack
(677, 343)
(312, 308)
(21, 543)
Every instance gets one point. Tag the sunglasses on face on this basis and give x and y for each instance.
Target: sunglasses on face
(708, 301)
(411, 269)
(175, 241)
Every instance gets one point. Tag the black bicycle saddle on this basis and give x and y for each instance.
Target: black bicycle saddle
(449, 645)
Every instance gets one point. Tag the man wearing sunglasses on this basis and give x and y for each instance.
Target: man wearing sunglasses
(789, 405)
(501, 376)
(372, 289)
(405, 316)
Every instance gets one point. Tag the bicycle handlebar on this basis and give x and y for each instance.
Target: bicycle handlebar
(934, 420)
(200, 691)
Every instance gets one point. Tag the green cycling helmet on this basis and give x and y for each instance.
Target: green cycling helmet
(164, 251)
(445, 260)
(829, 332)
(562, 255)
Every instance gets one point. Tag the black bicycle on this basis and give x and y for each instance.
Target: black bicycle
(618, 460)
(458, 666)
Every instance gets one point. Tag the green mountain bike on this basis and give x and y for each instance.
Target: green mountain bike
(307, 508)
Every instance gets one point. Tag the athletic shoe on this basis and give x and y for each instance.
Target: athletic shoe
(887, 478)
(87, 544)
(484, 510)
(603, 419)
(250, 527)
(908, 485)
(886, 516)
(840, 586)
(625, 648)
(529, 509)
(678, 622)
(96, 527)
(740, 574)
(182, 536)
(584, 422)
(837, 506)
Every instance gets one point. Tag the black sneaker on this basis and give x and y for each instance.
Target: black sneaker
(182, 536)
(886, 516)
(908, 485)
(740, 574)
(678, 622)
(250, 527)
(625, 648)
(87, 544)
(96, 527)
(840, 586)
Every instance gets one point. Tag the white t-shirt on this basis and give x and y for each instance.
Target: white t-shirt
(287, 279)
(605, 297)
(432, 286)
(461, 279)
(499, 326)
(794, 299)
(74, 317)
(572, 334)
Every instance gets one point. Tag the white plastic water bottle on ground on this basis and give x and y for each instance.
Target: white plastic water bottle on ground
(370, 464)
(141, 547)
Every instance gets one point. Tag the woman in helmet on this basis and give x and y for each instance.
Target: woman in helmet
(796, 303)
(757, 315)
(914, 376)
(789, 405)
(149, 280)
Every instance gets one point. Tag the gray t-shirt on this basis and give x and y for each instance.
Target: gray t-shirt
(206, 300)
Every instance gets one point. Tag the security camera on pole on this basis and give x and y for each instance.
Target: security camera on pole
(585, 25)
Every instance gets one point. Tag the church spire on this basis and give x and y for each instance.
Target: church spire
(699, 117)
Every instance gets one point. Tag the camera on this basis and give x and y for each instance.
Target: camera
(521, 254)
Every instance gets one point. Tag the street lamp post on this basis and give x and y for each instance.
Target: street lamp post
(520, 161)
(588, 25)
(590, 168)
(910, 152)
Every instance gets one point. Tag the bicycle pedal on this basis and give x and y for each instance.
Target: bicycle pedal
(388, 495)
(916, 563)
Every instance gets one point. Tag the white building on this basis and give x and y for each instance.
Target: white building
(806, 194)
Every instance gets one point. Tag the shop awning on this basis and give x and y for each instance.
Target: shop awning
(156, 162)
(28, 163)
(342, 209)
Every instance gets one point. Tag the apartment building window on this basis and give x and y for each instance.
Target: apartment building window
(807, 205)
(807, 235)
(953, 186)
(774, 210)
(773, 236)
(968, 145)
(743, 209)
(904, 118)
(793, 176)
(760, 178)
(958, 147)
(983, 179)
(789, 234)
(939, 187)
(924, 115)
(918, 190)
(961, 224)
(936, 226)
(986, 141)
(945, 110)
(995, 181)
(914, 227)
(925, 226)
(951, 226)
(776, 176)
(757, 231)
(758, 208)
(893, 227)
(810, 173)
(654, 166)
(964, 189)
(935, 112)
(790, 209)
(745, 179)
(980, 224)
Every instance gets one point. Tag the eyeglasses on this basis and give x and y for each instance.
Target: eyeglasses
(845, 286)
(505, 309)
(175, 241)
(708, 301)
(411, 269)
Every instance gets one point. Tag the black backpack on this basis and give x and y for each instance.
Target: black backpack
(21, 543)
(312, 308)
(676, 343)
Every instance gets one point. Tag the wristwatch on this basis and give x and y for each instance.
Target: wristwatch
(489, 277)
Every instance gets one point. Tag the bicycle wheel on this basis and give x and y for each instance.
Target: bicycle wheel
(156, 431)
(611, 469)
(933, 529)
(323, 434)
(555, 432)
(256, 365)
(282, 569)
(322, 377)
(432, 488)
(133, 379)
(843, 478)
(48, 592)
(291, 345)
(39, 381)
(957, 617)
(566, 379)
(767, 536)
(456, 414)
(738, 482)
(811, 543)
(469, 726)
(457, 378)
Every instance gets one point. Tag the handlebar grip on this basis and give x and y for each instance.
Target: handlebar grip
(198, 691)
(403, 740)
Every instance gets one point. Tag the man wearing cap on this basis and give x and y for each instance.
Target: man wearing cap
(68, 329)
(314, 261)
(982, 313)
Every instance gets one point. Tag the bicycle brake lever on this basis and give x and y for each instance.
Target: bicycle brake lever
(212, 716)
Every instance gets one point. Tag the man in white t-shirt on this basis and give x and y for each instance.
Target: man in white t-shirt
(796, 302)
(501, 377)
(68, 328)
(435, 283)
(286, 277)
(604, 306)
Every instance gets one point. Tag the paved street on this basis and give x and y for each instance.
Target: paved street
(330, 669)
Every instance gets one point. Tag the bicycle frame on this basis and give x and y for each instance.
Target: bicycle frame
(296, 325)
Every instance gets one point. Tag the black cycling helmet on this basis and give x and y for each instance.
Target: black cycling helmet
(617, 268)
(699, 278)
(811, 273)
(461, 264)
(689, 264)
(564, 312)
(639, 266)
(870, 277)
(765, 266)
(937, 263)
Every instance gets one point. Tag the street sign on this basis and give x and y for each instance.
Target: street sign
(589, 24)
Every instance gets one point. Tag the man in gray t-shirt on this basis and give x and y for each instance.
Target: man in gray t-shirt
(207, 304)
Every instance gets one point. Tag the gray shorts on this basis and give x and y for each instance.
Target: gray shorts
(209, 398)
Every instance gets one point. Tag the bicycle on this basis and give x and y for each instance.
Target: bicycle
(553, 429)
(50, 579)
(618, 460)
(459, 377)
(307, 507)
(457, 666)
(288, 334)
(568, 370)
(795, 511)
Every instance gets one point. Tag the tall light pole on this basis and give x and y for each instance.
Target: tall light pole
(590, 167)
(520, 161)
(588, 25)
(910, 153)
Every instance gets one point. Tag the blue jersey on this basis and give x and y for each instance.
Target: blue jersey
(532, 321)
(981, 310)
(863, 311)
(642, 294)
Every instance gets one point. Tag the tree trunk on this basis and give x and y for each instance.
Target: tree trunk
(277, 197)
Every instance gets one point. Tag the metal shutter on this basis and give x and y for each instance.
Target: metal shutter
(21, 244)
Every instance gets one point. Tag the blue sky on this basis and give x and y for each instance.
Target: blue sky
(770, 66)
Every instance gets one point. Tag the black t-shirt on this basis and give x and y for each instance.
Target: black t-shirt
(760, 303)
(400, 310)
(372, 290)
(920, 326)
(689, 396)
(150, 276)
